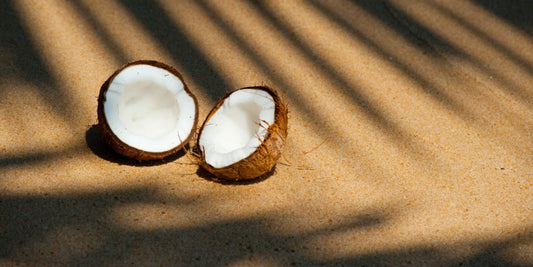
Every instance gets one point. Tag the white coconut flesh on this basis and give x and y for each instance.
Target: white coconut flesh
(147, 108)
(237, 128)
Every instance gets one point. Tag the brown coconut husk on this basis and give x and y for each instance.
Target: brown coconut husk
(264, 158)
(124, 149)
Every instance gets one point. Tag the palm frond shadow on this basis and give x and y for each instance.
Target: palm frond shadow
(102, 33)
(176, 42)
(508, 83)
(427, 40)
(23, 61)
(32, 226)
(517, 12)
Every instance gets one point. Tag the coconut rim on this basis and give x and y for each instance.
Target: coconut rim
(280, 117)
(116, 143)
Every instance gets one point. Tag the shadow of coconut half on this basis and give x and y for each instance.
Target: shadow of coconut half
(95, 142)
(203, 173)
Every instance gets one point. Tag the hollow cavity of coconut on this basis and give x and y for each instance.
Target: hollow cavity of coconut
(146, 112)
(243, 136)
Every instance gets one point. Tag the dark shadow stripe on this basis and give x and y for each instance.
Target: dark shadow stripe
(175, 41)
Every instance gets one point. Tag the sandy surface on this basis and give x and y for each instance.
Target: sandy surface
(410, 137)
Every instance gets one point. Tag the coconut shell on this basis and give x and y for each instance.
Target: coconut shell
(124, 149)
(264, 158)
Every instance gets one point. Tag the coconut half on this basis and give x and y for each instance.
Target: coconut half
(146, 112)
(243, 135)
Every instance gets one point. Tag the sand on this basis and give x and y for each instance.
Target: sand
(410, 134)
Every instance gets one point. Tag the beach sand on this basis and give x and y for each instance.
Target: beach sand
(410, 134)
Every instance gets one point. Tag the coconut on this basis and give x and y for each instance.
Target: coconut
(146, 111)
(243, 135)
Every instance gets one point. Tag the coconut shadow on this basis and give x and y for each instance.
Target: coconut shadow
(95, 142)
(203, 173)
